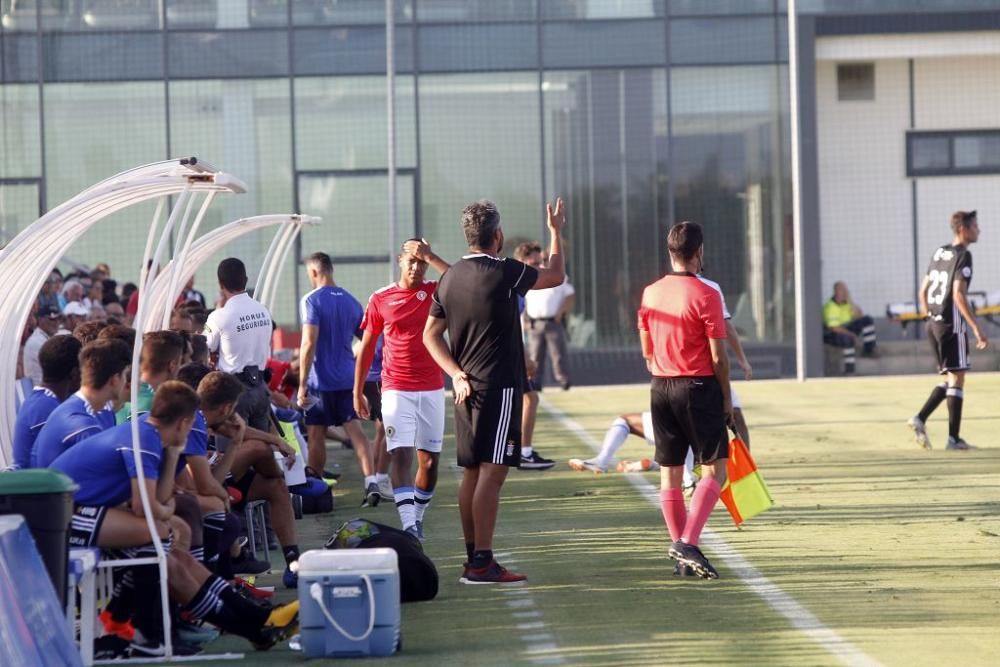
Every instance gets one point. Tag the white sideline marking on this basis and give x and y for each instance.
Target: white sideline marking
(800, 618)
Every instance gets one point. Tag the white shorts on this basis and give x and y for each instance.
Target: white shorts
(413, 419)
(647, 417)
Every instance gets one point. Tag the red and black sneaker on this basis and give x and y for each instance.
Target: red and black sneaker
(494, 573)
(250, 590)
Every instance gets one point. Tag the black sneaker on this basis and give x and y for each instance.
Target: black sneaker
(535, 462)
(681, 570)
(690, 555)
(371, 496)
(150, 649)
(246, 564)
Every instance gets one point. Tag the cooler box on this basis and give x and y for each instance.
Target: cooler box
(349, 603)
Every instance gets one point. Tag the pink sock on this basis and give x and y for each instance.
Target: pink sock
(702, 503)
(674, 512)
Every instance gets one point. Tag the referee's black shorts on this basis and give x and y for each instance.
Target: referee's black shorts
(488, 427)
(687, 412)
(951, 348)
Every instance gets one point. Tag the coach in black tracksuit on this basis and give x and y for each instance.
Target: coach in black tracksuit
(476, 303)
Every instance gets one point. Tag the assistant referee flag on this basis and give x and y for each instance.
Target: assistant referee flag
(745, 494)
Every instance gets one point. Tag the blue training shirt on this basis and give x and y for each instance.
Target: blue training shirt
(338, 315)
(103, 465)
(375, 372)
(197, 441)
(31, 418)
(68, 424)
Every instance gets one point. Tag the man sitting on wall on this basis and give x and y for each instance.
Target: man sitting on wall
(844, 322)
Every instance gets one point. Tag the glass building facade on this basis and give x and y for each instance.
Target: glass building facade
(639, 113)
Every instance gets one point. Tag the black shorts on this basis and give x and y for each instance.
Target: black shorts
(254, 405)
(951, 348)
(373, 392)
(332, 408)
(488, 428)
(687, 412)
(85, 526)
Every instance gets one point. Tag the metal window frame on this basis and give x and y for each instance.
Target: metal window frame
(913, 136)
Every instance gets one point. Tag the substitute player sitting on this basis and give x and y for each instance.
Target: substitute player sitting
(412, 383)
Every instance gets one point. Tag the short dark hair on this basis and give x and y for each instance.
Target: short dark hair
(962, 220)
(526, 249)
(174, 401)
(684, 240)
(87, 332)
(159, 348)
(232, 274)
(191, 374)
(217, 389)
(59, 357)
(199, 349)
(320, 260)
(480, 221)
(120, 332)
(101, 360)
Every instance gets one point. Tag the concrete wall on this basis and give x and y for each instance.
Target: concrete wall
(867, 216)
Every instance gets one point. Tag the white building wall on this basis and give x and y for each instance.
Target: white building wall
(865, 199)
(866, 211)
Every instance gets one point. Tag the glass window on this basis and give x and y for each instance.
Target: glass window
(96, 130)
(19, 207)
(930, 153)
(606, 44)
(451, 11)
(722, 41)
(242, 127)
(22, 15)
(328, 12)
(478, 47)
(20, 142)
(977, 152)
(19, 57)
(601, 9)
(606, 155)
(115, 56)
(120, 14)
(728, 141)
(706, 7)
(196, 14)
(349, 50)
(341, 122)
(230, 53)
(479, 139)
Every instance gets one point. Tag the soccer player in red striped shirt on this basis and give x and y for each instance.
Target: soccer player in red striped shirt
(683, 336)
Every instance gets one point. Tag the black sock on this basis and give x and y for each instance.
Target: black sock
(213, 524)
(481, 558)
(206, 601)
(937, 395)
(470, 548)
(148, 616)
(291, 553)
(123, 597)
(955, 399)
(252, 615)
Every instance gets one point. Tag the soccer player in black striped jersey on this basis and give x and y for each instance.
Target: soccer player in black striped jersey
(943, 300)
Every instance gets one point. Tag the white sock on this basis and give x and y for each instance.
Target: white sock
(689, 478)
(405, 505)
(613, 440)
(527, 451)
(369, 479)
(381, 477)
(422, 499)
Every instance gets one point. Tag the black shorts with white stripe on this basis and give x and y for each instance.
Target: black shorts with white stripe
(950, 343)
(85, 526)
(488, 428)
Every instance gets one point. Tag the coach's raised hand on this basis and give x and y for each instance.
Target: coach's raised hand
(556, 216)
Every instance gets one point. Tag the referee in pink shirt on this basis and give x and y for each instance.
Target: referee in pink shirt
(683, 336)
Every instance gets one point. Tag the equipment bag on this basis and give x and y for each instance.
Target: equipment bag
(418, 577)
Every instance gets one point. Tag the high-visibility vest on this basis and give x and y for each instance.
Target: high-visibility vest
(745, 494)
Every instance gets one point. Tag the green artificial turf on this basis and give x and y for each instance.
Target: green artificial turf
(893, 548)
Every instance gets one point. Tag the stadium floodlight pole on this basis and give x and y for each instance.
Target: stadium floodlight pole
(390, 130)
(797, 222)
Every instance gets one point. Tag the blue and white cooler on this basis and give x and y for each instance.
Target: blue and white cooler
(349, 603)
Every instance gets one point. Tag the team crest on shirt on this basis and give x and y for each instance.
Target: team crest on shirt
(943, 254)
(390, 431)
(421, 295)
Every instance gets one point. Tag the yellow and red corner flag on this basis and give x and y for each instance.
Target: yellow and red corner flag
(745, 494)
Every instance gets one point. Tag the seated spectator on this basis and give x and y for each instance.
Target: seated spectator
(48, 323)
(49, 296)
(114, 311)
(74, 314)
(844, 322)
(109, 513)
(103, 366)
(60, 363)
